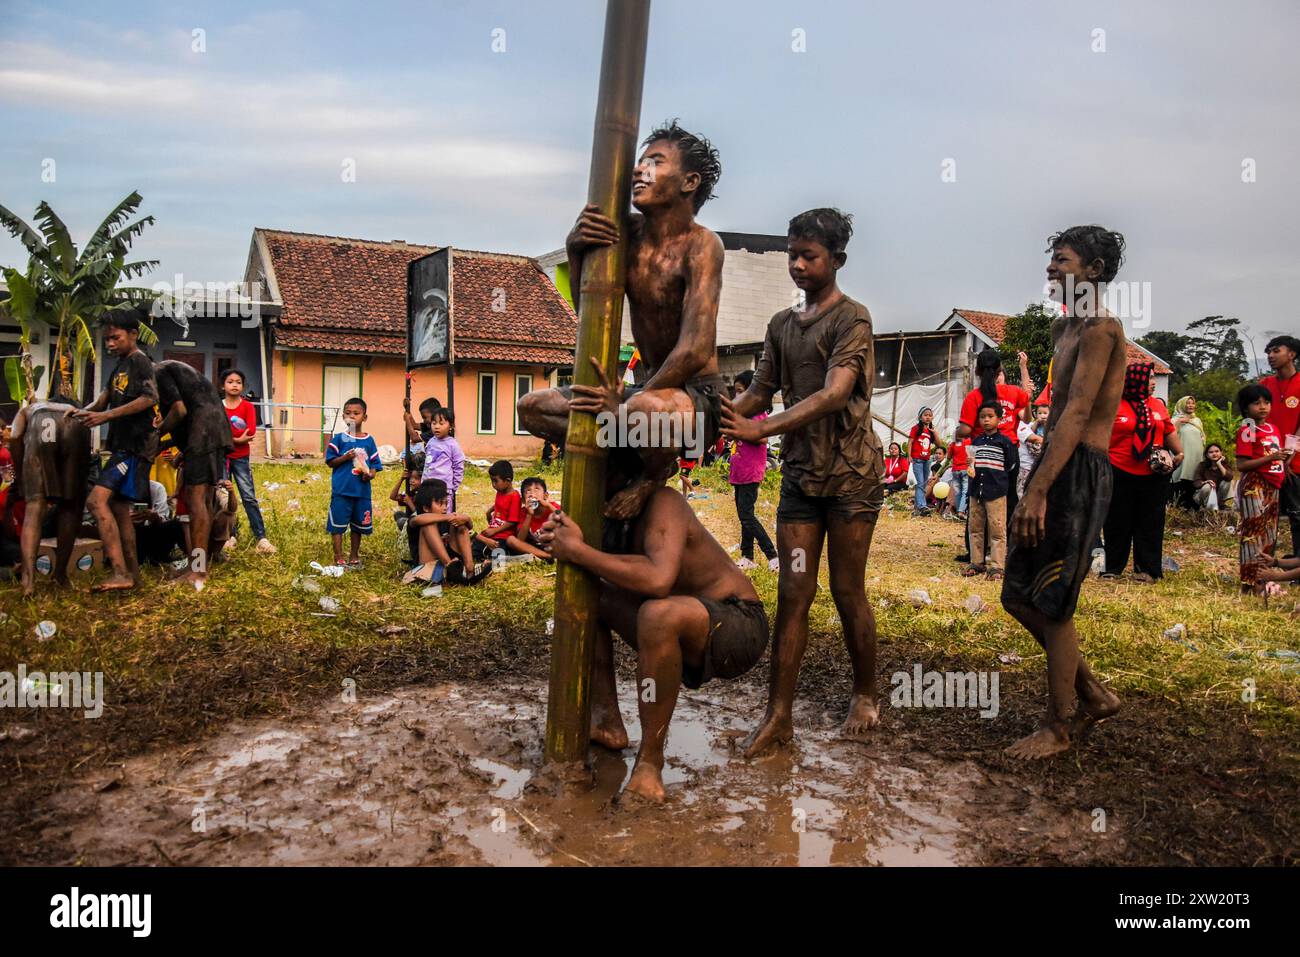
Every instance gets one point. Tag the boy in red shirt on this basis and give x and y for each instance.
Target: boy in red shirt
(959, 458)
(243, 426)
(504, 515)
(1284, 415)
(1263, 462)
(536, 509)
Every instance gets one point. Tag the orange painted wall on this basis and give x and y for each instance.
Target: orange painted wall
(503, 443)
(382, 386)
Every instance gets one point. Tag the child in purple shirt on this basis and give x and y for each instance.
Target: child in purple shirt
(748, 466)
(443, 458)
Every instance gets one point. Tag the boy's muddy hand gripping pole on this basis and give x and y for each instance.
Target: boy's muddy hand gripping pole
(600, 319)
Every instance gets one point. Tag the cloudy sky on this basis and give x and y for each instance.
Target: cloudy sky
(1140, 116)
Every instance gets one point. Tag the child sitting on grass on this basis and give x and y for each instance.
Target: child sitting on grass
(444, 547)
(537, 508)
(504, 514)
(402, 516)
(354, 458)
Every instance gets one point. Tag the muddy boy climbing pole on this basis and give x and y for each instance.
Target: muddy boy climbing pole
(600, 317)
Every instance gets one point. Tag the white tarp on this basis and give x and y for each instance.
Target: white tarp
(911, 400)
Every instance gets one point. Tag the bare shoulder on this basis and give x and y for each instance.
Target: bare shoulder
(1099, 331)
(668, 509)
(706, 244)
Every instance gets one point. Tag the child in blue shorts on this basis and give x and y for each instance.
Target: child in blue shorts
(354, 457)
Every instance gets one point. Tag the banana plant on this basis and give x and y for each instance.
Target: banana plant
(68, 292)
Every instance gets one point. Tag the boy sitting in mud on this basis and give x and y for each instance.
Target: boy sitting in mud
(674, 277)
(672, 593)
(1054, 526)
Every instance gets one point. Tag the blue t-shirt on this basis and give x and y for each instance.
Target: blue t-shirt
(346, 481)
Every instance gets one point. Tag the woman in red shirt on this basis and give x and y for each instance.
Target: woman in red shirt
(1262, 461)
(243, 426)
(895, 469)
(1136, 518)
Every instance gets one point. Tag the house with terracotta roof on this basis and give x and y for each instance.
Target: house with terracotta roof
(338, 329)
(986, 329)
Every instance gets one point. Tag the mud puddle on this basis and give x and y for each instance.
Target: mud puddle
(445, 775)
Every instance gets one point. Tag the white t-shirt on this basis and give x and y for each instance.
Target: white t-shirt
(158, 500)
(1028, 453)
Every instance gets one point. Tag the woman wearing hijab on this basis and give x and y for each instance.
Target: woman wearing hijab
(1144, 449)
(1191, 433)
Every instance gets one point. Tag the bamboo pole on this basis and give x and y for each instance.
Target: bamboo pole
(600, 319)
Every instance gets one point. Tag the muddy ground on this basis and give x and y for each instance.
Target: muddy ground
(445, 775)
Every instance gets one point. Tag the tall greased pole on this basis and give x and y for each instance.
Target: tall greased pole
(600, 318)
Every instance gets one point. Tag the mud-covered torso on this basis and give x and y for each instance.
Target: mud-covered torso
(1066, 337)
(657, 279)
(706, 569)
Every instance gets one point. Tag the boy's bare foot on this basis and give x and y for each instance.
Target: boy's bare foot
(629, 502)
(1048, 740)
(29, 586)
(115, 583)
(647, 781)
(607, 728)
(775, 730)
(1103, 704)
(863, 716)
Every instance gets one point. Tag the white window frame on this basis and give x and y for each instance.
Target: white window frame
(518, 377)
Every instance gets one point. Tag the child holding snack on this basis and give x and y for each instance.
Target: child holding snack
(537, 508)
(354, 458)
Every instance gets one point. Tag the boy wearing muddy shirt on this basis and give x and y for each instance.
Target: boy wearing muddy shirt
(1054, 526)
(674, 277)
(126, 405)
(672, 593)
(819, 355)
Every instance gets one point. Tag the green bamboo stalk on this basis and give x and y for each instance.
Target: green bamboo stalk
(600, 317)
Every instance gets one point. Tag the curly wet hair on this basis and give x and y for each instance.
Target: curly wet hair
(698, 156)
(830, 227)
(1092, 243)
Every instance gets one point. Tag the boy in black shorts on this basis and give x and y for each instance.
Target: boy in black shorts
(671, 592)
(126, 405)
(819, 355)
(1061, 514)
(194, 417)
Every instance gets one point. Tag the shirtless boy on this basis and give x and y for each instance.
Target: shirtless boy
(674, 277)
(51, 455)
(819, 355)
(194, 417)
(672, 593)
(1055, 524)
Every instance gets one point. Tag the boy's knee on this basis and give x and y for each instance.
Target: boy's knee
(656, 620)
